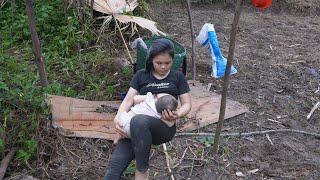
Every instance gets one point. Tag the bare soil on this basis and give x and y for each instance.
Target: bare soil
(277, 58)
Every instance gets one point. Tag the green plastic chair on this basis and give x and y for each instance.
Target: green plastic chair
(179, 60)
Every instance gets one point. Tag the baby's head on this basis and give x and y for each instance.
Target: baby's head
(166, 101)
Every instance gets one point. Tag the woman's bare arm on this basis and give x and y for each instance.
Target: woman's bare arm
(125, 107)
(128, 101)
(185, 100)
(139, 98)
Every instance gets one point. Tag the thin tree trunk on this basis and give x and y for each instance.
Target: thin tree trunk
(36, 43)
(192, 42)
(227, 75)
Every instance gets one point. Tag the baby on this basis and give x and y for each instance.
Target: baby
(151, 105)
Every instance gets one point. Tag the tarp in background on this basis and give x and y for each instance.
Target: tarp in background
(207, 37)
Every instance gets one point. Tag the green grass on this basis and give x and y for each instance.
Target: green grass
(89, 74)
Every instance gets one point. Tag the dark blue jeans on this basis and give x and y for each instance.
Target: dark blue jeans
(145, 131)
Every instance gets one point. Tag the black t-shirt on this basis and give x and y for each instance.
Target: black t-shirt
(174, 84)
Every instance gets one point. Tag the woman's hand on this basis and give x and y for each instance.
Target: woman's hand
(169, 115)
(119, 128)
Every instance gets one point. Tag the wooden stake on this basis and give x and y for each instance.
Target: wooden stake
(227, 75)
(36, 43)
(192, 42)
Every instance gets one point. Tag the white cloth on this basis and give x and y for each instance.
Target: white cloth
(124, 121)
(146, 107)
(203, 38)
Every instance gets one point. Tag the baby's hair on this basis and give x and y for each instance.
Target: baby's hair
(166, 102)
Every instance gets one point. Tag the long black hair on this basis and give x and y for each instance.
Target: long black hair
(159, 46)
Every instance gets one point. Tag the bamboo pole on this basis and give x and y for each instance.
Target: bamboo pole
(227, 75)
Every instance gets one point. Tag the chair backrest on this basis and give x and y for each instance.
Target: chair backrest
(179, 59)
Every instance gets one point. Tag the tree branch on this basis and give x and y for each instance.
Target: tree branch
(251, 133)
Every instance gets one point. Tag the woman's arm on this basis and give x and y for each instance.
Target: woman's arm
(139, 98)
(128, 101)
(125, 107)
(185, 100)
(185, 108)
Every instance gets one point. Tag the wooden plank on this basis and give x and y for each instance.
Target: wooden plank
(77, 117)
(103, 126)
(206, 107)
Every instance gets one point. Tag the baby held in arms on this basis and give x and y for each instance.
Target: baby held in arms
(151, 105)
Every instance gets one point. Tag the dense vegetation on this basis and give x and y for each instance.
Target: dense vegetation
(75, 64)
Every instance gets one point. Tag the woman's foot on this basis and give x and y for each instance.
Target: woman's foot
(141, 176)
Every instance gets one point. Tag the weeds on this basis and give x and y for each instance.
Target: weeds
(73, 70)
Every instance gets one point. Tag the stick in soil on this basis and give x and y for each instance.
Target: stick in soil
(181, 159)
(227, 75)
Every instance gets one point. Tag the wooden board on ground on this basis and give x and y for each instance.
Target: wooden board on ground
(206, 107)
(79, 118)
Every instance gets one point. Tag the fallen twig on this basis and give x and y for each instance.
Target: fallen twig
(317, 90)
(274, 121)
(313, 109)
(269, 139)
(181, 159)
(251, 133)
(167, 160)
(5, 162)
(190, 173)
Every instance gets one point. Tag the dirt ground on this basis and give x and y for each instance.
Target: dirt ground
(277, 58)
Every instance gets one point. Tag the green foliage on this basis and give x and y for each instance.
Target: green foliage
(2, 145)
(89, 74)
(131, 169)
(207, 141)
(28, 151)
(143, 8)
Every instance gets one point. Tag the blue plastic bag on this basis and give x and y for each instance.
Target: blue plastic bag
(208, 38)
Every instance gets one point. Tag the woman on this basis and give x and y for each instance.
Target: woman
(146, 130)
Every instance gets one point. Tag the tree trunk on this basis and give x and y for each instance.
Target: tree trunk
(36, 43)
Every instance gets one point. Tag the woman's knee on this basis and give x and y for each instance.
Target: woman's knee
(139, 121)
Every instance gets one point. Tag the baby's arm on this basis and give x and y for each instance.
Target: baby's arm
(139, 98)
